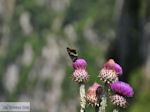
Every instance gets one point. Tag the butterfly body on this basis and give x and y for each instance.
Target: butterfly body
(72, 53)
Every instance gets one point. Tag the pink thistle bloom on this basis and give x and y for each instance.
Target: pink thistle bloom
(80, 76)
(118, 100)
(108, 76)
(113, 66)
(80, 64)
(122, 88)
(93, 94)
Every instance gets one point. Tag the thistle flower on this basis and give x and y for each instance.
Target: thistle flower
(80, 64)
(80, 76)
(108, 76)
(111, 65)
(118, 100)
(122, 88)
(110, 72)
(93, 94)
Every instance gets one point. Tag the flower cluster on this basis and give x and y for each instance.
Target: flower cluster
(109, 75)
(95, 95)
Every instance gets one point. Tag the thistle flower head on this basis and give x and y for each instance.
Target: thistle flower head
(110, 64)
(122, 88)
(93, 94)
(118, 100)
(80, 76)
(80, 64)
(108, 76)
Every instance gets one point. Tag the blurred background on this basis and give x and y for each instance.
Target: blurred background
(34, 34)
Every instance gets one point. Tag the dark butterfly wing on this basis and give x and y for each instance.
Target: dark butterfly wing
(72, 53)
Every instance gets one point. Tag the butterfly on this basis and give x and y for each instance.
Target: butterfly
(72, 53)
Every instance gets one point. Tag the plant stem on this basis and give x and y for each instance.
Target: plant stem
(97, 109)
(82, 97)
(103, 104)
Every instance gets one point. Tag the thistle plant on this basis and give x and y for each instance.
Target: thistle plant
(110, 89)
(80, 76)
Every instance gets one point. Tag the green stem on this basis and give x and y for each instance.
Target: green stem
(82, 97)
(103, 104)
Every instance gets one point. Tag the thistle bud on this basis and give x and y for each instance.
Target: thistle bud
(80, 76)
(93, 94)
(118, 100)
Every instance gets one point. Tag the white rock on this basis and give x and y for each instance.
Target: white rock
(11, 77)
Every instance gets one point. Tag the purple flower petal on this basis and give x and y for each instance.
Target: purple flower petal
(122, 88)
(114, 66)
(118, 69)
(80, 64)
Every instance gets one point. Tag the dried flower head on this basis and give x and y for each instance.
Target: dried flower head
(108, 76)
(110, 64)
(122, 88)
(80, 76)
(93, 94)
(118, 100)
(80, 64)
